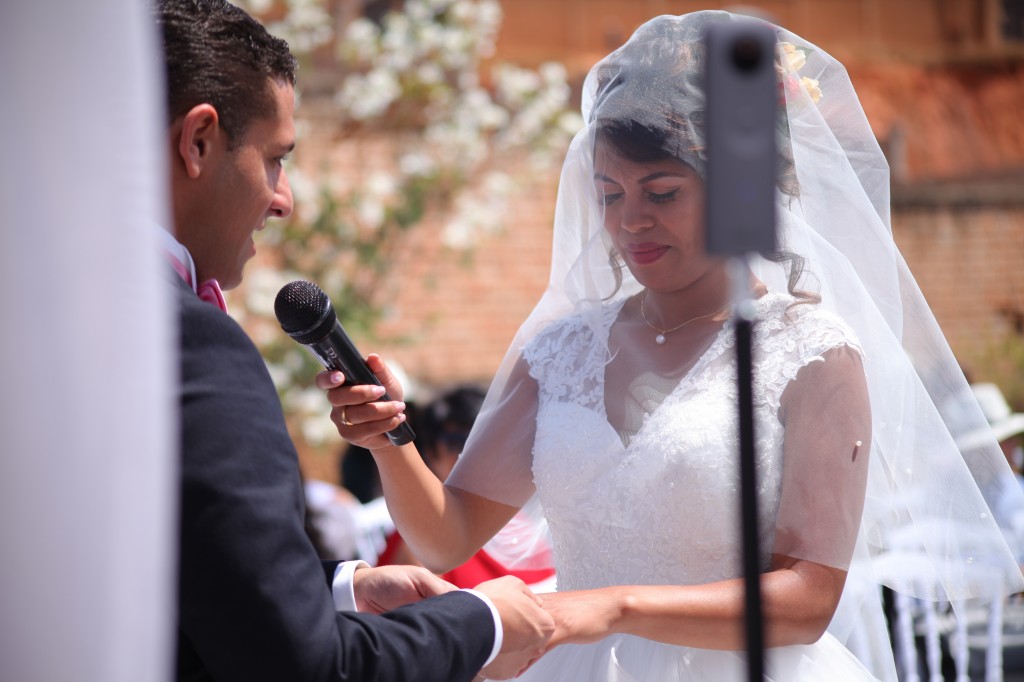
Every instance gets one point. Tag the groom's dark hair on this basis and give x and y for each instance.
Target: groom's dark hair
(215, 53)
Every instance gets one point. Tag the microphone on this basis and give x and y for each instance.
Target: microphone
(306, 315)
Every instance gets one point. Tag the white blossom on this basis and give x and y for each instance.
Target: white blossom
(570, 123)
(293, 362)
(397, 32)
(429, 73)
(261, 288)
(489, 15)
(366, 96)
(553, 73)
(280, 375)
(371, 213)
(256, 6)
(381, 185)
(305, 194)
(516, 85)
(334, 279)
(498, 183)
(464, 12)
(417, 163)
(317, 428)
(492, 117)
(306, 26)
(458, 234)
(360, 39)
(429, 37)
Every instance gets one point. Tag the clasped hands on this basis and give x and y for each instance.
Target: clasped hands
(532, 624)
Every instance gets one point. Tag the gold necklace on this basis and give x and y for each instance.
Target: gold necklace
(660, 338)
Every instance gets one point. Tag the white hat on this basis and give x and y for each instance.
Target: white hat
(1004, 422)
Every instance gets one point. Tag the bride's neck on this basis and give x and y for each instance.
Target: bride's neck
(707, 294)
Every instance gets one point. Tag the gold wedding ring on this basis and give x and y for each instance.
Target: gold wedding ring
(344, 419)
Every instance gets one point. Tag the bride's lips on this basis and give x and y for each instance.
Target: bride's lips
(646, 252)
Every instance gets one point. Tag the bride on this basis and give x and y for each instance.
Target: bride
(613, 414)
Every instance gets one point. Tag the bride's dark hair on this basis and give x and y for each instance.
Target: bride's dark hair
(650, 106)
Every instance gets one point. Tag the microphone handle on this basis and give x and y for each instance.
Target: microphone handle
(336, 351)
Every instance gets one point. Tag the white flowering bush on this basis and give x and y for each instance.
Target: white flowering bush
(454, 130)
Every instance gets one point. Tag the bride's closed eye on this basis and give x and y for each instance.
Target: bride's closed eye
(662, 197)
(608, 198)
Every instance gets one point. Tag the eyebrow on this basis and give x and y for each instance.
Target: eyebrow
(646, 178)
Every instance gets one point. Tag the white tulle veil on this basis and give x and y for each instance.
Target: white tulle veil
(926, 528)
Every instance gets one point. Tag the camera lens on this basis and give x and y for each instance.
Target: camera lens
(746, 54)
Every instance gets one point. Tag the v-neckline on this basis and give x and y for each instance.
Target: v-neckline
(713, 351)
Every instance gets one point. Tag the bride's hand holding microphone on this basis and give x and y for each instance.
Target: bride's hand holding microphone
(362, 418)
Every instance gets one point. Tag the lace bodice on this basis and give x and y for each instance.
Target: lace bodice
(663, 509)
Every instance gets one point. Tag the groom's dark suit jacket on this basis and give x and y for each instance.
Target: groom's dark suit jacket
(253, 601)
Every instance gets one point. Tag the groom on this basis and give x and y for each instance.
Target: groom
(253, 601)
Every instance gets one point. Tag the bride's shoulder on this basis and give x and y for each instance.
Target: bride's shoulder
(804, 325)
(574, 323)
(573, 331)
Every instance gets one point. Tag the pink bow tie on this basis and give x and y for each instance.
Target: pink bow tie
(208, 291)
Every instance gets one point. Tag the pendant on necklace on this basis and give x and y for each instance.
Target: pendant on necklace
(660, 339)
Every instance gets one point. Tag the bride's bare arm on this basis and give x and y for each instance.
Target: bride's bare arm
(443, 526)
(799, 598)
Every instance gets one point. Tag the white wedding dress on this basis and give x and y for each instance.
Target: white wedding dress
(662, 509)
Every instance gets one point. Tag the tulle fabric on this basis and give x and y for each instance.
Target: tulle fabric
(927, 527)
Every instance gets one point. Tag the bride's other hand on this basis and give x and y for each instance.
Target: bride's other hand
(581, 616)
(361, 418)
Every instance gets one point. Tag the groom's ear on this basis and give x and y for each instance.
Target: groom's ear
(197, 140)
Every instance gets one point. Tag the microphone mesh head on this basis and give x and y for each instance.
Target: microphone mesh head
(304, 311)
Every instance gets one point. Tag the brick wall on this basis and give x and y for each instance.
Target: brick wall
(967, 259)
(580, 31)
(463, 309)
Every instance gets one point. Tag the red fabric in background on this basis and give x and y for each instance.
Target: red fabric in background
(481, 567)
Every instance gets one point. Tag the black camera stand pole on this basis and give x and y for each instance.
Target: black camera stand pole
(742, 172)
(744, 318)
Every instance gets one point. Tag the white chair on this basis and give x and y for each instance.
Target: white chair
(960, 625)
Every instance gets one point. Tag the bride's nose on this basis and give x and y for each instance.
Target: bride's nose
(636, 214)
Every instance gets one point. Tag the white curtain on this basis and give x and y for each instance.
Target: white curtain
(87, 440)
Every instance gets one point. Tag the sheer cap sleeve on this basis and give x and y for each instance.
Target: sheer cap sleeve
(497, 463)
(826, 418)
(810, 375)
(497, 460)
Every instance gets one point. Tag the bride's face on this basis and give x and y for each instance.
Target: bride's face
(654, 214)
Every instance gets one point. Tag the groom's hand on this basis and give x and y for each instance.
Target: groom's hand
(387, 587)
(527, 627)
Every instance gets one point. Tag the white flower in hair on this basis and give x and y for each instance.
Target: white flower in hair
(791, 60)
(792, 56)
(811, 86)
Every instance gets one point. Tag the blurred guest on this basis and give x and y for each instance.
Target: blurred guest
(341, 526)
